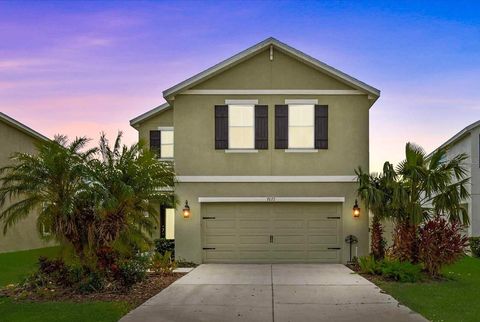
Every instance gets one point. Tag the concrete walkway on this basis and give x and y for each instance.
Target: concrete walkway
(278, 292)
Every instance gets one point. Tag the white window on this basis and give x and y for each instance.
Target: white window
(170, 223)
(241, 127)
(301, 126)
(166, 143)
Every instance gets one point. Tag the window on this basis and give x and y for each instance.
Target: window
(170, 223)
(241, 127)
(166, 144)
(167, 222)
(301, 126)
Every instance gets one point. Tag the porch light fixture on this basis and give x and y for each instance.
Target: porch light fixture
(356, 210)
(186, 210)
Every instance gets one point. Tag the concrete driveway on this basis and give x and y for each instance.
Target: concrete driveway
(278, 292)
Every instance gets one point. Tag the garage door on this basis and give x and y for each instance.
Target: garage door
(271, 232)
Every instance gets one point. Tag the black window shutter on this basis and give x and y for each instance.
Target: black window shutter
(321, 126)
(155, 142)
(261, 127)
(281, 126)
(221, 127)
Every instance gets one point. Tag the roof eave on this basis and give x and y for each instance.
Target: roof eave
(169, 93)
(459, 135)
(22, 127)
(149, 114)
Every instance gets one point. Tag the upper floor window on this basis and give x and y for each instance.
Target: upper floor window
(301, 127)
(166, 144)
(161, 142)
(241, 127)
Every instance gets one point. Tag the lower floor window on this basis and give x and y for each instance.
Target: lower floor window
(167, 223)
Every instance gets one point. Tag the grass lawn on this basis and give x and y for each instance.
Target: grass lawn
(16, 265)
(61, 311)
(453, 300)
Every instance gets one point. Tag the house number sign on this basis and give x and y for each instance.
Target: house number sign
(270, 199)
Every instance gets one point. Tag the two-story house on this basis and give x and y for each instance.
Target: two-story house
(265, 145)
(17, 137)
(467, 141)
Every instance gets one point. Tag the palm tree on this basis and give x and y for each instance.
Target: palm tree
(375, 190)
(52, 182)
(132, 179)
(88, 204)
(427, 186)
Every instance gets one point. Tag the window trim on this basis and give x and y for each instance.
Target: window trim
(301, 149)
(296, 150)
(166, 128)
(252, 106)
(241, 151)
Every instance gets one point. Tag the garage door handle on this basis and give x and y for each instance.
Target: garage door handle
(334, 248)
(333, 217)
(208, 217)
(209, 248)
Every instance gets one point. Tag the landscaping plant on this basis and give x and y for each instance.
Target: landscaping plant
(163, 264)
(401, 271)
(420, 188)
(163, 245)
(475, 246)
(426, 186)
(440, 243)
(376, 192)
(132, 271)
(369, 265)
(96, 203)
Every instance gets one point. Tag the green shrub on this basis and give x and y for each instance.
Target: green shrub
(163, 245)
(368, 265)
(132, 271)
(475, 246)
(90, 282)
(185, 263)
(163, 264)
(401, 271)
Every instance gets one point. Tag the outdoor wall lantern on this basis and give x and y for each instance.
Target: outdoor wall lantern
(186, 210)
(356, 210)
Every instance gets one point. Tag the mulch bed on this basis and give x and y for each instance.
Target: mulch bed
(135, 296)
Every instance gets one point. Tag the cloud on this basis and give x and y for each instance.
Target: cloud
(12, 64)
(92, 41)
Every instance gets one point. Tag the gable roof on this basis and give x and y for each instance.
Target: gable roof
(149, 114)
(458, 136)
(247, 53)
(22, 127)
(315, 63)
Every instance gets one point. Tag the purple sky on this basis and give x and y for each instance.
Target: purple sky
(80, 68)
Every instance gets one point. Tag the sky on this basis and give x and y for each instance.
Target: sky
(79, 68)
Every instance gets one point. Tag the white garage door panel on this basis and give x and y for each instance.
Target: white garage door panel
(271, 232)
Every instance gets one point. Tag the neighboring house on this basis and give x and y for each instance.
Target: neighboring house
(16, 137)
(468, 141)
(265, 145)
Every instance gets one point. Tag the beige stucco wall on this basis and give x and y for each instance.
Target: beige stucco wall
(24, 234)
(195, 155)
(163, 119)
(283, 72)
(195, 133)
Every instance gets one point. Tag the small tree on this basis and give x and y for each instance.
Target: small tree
(93, 206)
(425, 187)
(376, 192)
(52, 182)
